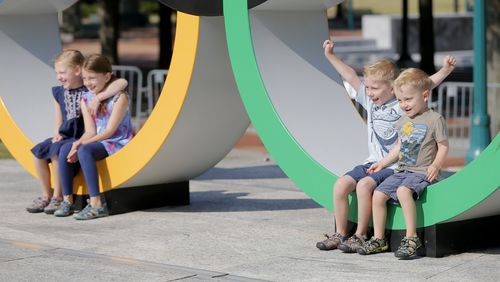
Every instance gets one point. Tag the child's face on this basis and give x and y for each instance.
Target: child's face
(412, 100)
(378, 91)
(94, 81)
(69, 77)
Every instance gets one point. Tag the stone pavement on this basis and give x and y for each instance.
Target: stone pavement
(246, 221)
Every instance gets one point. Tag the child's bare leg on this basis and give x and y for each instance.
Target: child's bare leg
(379, 203)
(405, 197)
(96, 201)
(57, 180)
(364, 192)
(43, 172)
(341, 190)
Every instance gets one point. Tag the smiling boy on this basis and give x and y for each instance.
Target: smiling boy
(421, 150)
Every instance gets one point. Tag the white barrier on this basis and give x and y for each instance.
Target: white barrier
(135, 89)
(454, 101)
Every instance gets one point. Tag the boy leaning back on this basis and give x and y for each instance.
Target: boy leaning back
(376, 95)
(421, 150)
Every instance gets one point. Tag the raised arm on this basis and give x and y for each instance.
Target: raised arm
(449, 64)
(346, 72)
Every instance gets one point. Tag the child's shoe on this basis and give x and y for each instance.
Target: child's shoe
(373, 246)
(90, 212)
(408, 247)
(331, 242)
(352, 244)
(37, 205)
(53, 206)
(65, 209)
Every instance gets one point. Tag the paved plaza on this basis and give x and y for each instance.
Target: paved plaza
(246, 221)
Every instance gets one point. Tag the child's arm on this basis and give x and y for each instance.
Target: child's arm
(389, 159)
(58, 121)
(113, 88)
(90, 131)
(449, 64)
(433, 169)
(346, 72)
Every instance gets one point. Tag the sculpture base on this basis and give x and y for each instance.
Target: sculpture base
(448, 238)
(129, 199)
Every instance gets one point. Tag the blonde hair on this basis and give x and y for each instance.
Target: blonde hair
(414, 77)
(382, 70)
(70, 57)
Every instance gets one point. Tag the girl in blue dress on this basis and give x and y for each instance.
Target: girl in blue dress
(68, 126)
(105, 134)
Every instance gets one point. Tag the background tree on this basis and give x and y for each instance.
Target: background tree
(109, 31)
(165, 36)
(426, 36)
(72, 19)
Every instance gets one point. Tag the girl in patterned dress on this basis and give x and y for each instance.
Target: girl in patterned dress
(68, 126)
(105, 134)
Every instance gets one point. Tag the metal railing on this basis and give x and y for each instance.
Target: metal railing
(143, 94)
(454, 100)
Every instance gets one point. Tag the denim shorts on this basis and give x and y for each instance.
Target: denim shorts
(360, 171)
(412, 180)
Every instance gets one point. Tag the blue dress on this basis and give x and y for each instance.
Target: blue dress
(72, 126)
(123, 134)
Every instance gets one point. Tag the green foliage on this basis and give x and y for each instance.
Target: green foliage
(88, 9)
(148, 7)
(4, 154)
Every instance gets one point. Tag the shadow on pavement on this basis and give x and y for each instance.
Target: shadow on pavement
(223, 201)
(253, 172)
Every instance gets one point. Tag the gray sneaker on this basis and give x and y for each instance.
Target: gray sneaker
(66, 209)
(90, 212)
(53, 206)
(373, 246)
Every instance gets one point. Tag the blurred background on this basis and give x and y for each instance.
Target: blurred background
(411, 32)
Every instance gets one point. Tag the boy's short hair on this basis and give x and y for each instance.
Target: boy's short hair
(382, 70)
(414, 77)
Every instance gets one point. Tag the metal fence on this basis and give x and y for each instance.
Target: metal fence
(143, 96)
(453, 100)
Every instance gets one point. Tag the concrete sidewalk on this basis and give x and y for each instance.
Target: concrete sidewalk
(247, 221)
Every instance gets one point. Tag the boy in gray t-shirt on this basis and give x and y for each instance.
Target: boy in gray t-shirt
(421, 150)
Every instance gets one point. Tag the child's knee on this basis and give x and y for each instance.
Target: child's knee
(379, 198)
(344, 186)
(405, 192)
(64, 151)
(366, 185)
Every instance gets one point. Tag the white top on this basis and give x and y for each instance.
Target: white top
(382, 135)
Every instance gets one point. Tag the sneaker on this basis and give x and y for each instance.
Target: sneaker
(373, 246)
(52, 206)
(352, 244)
(90, 212)
(408, 247)
(37, 205)
(65, 209)
(331, 242)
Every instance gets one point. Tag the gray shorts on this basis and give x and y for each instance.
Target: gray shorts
(412, 180)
